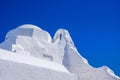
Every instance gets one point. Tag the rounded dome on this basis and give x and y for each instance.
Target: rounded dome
(29, 30)
(28, 26)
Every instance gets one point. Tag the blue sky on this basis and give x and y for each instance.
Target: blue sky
(94, 24)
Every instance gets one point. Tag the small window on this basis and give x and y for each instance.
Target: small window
(60, 36)
(47, 57)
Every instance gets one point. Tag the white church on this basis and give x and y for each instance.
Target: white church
(30, 53)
